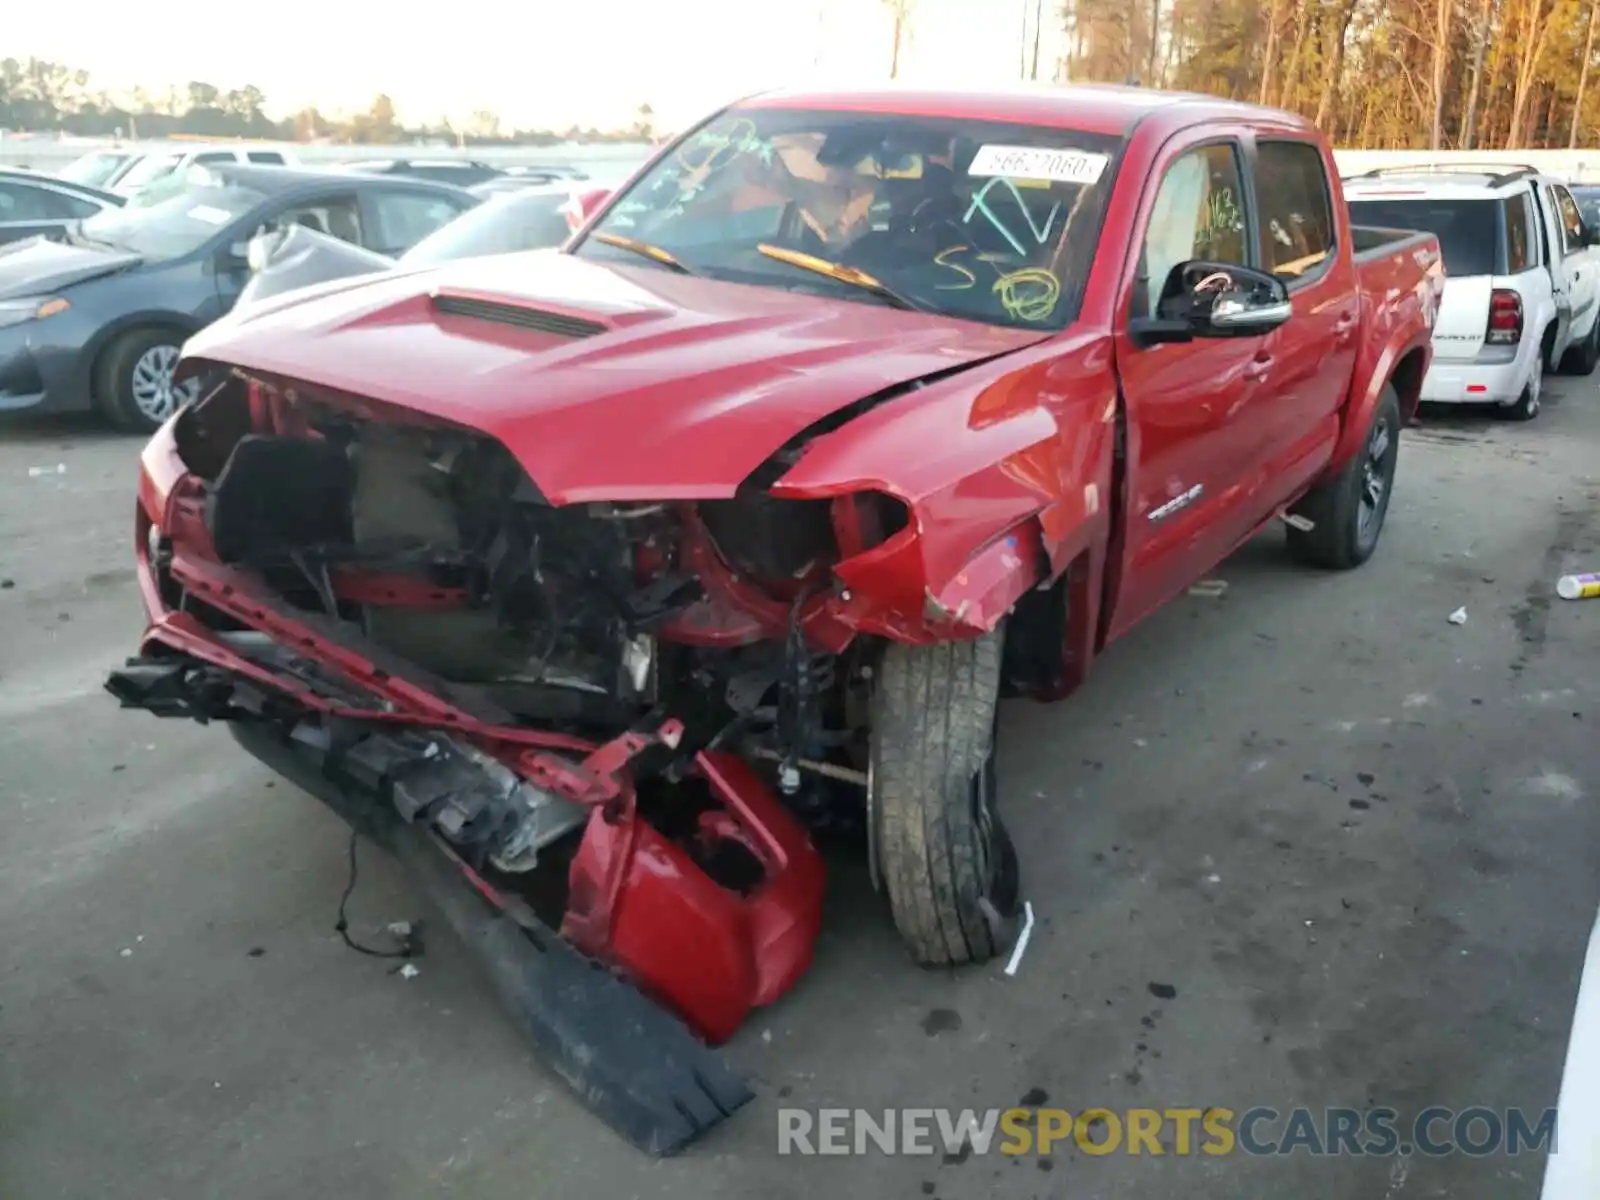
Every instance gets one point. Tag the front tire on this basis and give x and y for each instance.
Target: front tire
(1348, 510)
(133, 385)
(945, 858)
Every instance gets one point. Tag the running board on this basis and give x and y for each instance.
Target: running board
(631, 1063)
(1296, 521)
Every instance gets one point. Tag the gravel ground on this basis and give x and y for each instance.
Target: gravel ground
(1356, 842)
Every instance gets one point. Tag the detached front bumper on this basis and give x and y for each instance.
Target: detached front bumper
(423, 767)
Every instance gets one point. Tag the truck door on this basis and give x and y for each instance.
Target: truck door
(1583, 277)
(1193, 408)
(1313, 355)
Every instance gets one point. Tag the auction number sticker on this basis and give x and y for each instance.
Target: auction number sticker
(1031, 162)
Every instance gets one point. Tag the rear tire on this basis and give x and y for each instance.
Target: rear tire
(133, 380)
(945, 858)
(1349, 509)
(1526, 406)
(1582, 359)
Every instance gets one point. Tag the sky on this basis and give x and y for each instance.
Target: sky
(544, 63)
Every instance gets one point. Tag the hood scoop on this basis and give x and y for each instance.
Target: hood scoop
(536, 319)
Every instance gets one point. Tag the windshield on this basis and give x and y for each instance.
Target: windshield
(1468, 230)
(93, 169)
(975, 219)
(503, 225)
(149, 168)
(174, 227)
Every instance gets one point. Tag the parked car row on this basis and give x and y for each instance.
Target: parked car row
(129, 172)
(96, 302)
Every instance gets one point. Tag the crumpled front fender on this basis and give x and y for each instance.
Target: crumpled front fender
(1004, 472)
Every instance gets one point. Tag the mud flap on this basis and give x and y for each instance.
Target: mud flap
(631, 1063)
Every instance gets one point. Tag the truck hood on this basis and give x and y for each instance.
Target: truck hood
(37, 266)
(606, 382)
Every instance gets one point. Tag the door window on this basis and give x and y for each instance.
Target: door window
(1198, 214)
(1571, 220)
(19, 202)
(1519, 235)
(1296, 213)
(215, 156)
(336, 216)
(404, 218)
(271, 157)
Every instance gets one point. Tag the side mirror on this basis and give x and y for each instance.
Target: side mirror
(235, 256)
(1214, 300)
(1591, 235)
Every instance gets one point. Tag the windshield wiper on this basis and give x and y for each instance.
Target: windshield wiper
(854, 276)
(643, 249)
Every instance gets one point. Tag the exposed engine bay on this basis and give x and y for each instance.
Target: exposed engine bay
(584, 619)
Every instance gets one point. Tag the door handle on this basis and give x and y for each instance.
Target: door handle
(1258, 367)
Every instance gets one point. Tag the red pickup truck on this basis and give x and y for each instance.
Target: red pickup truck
(736, 516)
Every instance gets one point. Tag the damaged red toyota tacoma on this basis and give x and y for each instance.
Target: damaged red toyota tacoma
(593, 583)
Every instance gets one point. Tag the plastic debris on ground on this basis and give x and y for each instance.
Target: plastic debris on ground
(1022, 939)
(37, 472)
(1579, 587)
(407, 971)
(1209, 587)
(1459, 617)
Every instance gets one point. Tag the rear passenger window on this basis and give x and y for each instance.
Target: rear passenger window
(270, 157)
(1296, 214)
(215, 156)
(1519, 234)
(1198, 214)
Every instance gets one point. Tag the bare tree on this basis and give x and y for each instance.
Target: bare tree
(1583, 77)
(1469, 126)
(901, 11)
(1441, 61)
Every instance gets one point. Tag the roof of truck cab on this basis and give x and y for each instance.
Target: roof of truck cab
(1090, 107)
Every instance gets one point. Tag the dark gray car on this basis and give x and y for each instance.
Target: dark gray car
(529, 219)
(98, 319)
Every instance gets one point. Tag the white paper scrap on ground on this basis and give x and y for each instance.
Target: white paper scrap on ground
(1021, 947)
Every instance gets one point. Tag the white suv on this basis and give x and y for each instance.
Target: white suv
(158, 165)
(1522, 276)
